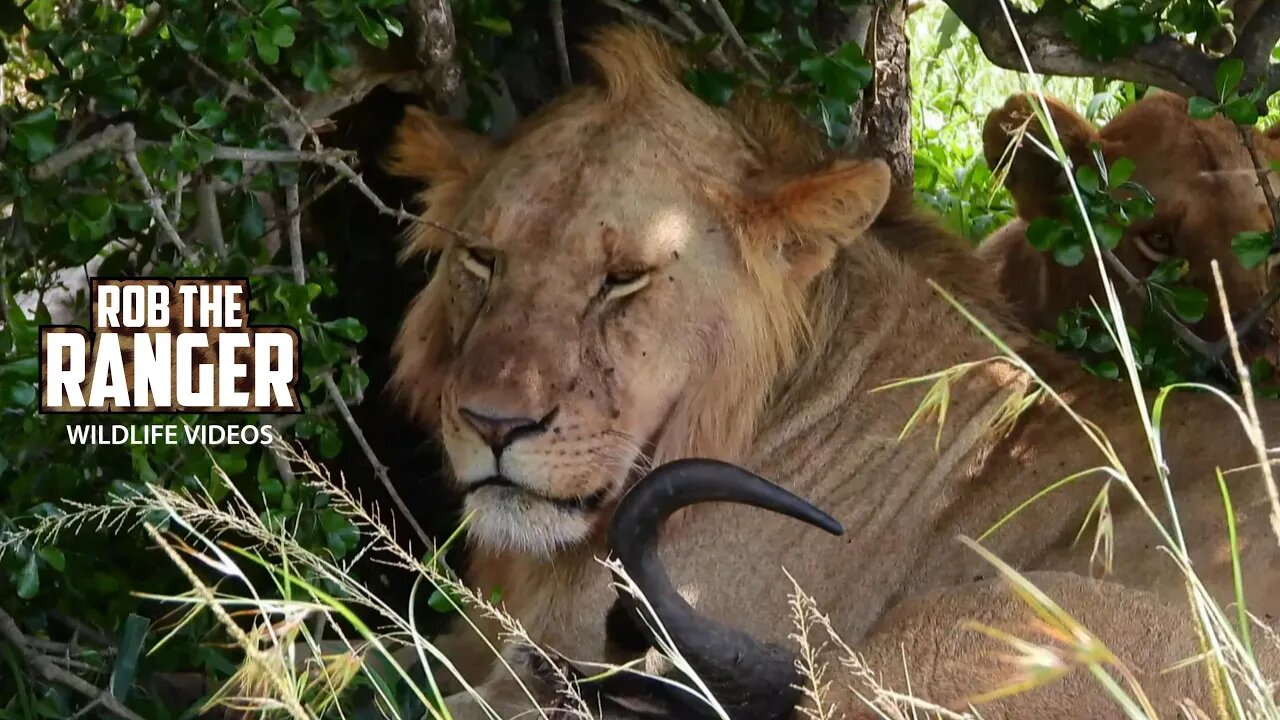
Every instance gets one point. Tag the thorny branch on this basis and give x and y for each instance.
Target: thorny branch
(51, 672)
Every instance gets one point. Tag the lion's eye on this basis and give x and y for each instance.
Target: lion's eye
(478, 261)
(618, 285)
(1157, 246)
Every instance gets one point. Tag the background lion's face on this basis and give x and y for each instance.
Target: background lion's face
(591, 294)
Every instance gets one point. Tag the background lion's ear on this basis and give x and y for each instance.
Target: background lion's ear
(433, 149)
(1034, 178)
(817, 213)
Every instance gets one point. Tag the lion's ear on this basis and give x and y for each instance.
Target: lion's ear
(430, 148)
(1034, 177)
(816, 214)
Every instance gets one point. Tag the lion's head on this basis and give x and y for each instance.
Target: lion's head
(618, 283)
(1198, 171)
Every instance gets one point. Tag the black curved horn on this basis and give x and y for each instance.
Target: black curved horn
(751, 680)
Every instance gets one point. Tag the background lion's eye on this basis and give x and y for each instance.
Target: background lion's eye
(621, 284)
(1157, 246)
(478, 261)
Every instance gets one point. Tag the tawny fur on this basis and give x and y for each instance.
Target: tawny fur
(1198, 171)
(774, 307)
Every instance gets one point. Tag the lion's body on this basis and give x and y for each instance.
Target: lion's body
(903, 504)
(786, 316)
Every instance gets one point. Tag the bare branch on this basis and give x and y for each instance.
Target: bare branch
(108, 139)
(210, 223)
(50, 671)
(435, 44)
(1164, 62)
(726, 25)
(129, 145)
(111, 139)
(562, 49)
(1257, 39)
(681, 17)
(643, 18)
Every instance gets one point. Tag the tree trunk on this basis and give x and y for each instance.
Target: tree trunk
(886, 103)
(882, 118)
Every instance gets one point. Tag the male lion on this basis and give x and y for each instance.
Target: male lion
(636, 277)
(1199, 173)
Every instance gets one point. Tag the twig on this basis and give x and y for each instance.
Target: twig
(674, 8)
(562, 48)
(331, 387)
(378, 468)
(726, 24)
(1263, 170)
(112, 137)
(304, 124)
(435, 45)
(398, 213)
(234, 88)
(643, 18)
(47, 669)
(210, 222)
(180, 186)
(128, 144)
(1184, 333)
(295, 222)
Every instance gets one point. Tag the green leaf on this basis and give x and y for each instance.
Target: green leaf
(34, 133)
(1241, 111)
(496, 25)
(1043, 233)
(282, 36)
(1109, 235)
(393, 26)
(440, 601)
(1068, 255)
(128, 649)
(347, 328)
(212, 114)
(1201, 108)
(1188, 303)
(54, 557)
(264, 42)
(1088, 180)
(1228, 76)
(1252, 248)
(1170, 271)
(713, 86)
(1120, 172)
(28, 581)
(374, 33)
(1103, 368)
(183, 40)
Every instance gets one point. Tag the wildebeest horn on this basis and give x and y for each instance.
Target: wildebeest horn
(749, 678)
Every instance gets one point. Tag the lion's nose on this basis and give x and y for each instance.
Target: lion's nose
(499, 432)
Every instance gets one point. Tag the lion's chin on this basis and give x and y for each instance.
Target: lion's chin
(507, 519)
